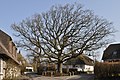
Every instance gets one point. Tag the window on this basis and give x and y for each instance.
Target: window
(115, 52)
(28, 70)
(114, 55)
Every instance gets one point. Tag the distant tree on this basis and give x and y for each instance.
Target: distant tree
(35, 60)
(63, 32)
(23, 62)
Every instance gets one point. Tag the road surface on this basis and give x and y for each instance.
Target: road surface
(83, 77)
(75, 77)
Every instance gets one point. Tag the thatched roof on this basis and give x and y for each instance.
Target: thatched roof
(112, 52)
(82, 59)
(4, 46)
(4, 52)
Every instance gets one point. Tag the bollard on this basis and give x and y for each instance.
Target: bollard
(42, 73)
(73, 73)
(45, 73)
(70, 73)
(51, 73)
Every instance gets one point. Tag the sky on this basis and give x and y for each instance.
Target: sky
(14, 11)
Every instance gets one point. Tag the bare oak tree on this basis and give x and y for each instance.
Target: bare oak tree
(63, 32)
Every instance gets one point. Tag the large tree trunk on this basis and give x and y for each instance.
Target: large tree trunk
(59, 67)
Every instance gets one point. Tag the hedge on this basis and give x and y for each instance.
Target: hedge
(107, 69)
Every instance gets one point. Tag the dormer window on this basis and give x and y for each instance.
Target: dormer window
(114, 55)
(115, 52)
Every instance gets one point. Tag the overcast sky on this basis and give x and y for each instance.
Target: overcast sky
(16, 10)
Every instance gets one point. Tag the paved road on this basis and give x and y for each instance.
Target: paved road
(83, 77)
(75, 77)
(51, 78)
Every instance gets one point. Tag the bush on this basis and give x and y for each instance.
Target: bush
(107, 69)
(40, 70)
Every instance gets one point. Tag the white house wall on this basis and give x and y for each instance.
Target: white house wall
(4, 67)
(1, 69)
(12, 69)
(84, 68)
(88, 68)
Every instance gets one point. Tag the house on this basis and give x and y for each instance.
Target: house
(9, 65)
(82, 63)
(112, 53)
(110, 67)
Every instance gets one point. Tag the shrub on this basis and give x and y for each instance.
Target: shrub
(107, 69)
